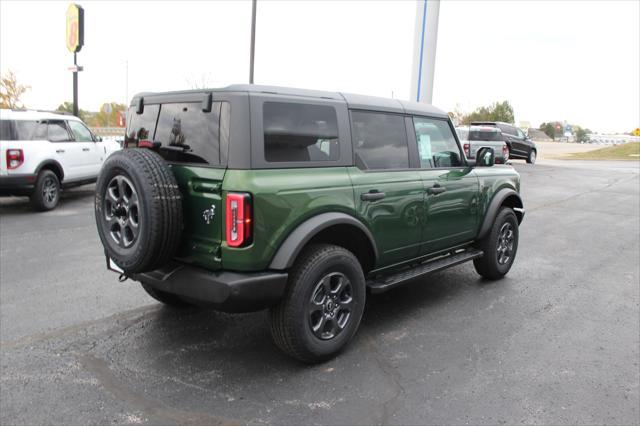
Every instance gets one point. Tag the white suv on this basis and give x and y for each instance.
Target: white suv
(43, 152)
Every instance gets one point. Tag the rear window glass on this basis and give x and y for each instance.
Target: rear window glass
(485, 135)
(187, 134)
(21, 130)
(141, 127)
(300, 132)
(5, 130)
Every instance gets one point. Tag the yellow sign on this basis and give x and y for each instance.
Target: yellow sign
(636, 132)
(75, 28)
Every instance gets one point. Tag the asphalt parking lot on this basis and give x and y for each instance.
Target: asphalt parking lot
(556, 342)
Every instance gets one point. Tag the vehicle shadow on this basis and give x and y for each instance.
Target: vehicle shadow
(199, 346)
(21, 205)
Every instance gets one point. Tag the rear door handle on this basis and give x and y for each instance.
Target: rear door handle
(372, 195)
(85, 149)
(60, 151)
(436, 189)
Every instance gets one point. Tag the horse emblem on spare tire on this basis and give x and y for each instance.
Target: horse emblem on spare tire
(208, 214)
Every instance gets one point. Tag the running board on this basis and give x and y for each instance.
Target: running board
(384, 283)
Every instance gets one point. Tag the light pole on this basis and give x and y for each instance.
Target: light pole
(424, 50)
(253, 39)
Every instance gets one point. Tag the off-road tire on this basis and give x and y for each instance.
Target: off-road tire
(290, 321)
(47, 181)
(166, 298)
(531, 158)
(159, 210)
(488, 265)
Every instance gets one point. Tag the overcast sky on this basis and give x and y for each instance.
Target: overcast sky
(577, 61)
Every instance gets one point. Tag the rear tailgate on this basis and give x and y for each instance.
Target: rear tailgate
(485, 137)
(474, 146)
(201, 189)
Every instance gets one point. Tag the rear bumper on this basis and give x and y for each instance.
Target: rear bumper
(17, 184)
(225, 291)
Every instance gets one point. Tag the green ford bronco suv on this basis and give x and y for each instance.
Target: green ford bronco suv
(253, 197)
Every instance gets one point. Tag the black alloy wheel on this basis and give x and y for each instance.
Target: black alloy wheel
(121, 211)
(330, 305)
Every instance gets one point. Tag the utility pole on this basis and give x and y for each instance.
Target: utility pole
(253, 39)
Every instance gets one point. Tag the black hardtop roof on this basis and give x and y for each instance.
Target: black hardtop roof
(352, 100)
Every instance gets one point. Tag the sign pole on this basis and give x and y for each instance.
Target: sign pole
(253, 39)
(75, 41)
(76, 109)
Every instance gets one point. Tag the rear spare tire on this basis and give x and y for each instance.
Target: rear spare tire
(138, 210)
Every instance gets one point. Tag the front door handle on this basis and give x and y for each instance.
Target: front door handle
(372, 195)
(436, 189)
(85, 149)
(60, 151)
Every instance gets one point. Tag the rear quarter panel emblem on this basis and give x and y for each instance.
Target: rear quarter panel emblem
(208, 214)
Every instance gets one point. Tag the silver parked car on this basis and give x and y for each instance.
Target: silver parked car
(473, 138)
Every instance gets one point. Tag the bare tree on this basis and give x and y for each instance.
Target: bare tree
(202, 82)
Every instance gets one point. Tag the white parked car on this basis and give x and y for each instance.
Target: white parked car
(43, 152)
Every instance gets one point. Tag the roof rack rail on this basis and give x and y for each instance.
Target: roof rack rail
(40, 110)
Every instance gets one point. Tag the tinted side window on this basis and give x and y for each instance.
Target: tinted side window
(507, 129)
(300, 132)
(80, 132)
(189, 135)
(5, 130)
(379, 140)
(27, 130)
(140, 127)
(57, 131)
(437, 146)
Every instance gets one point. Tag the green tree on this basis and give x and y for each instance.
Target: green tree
(498, 111)
(553, 129)
(107, 119)
(549, 129)
(582, 135)
(11, 91)
(68, 107)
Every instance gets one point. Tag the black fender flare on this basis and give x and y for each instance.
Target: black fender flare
(494, 207)
(54, 163)
(293, 244)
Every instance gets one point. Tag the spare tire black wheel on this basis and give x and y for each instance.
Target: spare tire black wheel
(138, 210)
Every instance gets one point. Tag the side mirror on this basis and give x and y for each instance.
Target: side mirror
(485, 157)
(97, 138)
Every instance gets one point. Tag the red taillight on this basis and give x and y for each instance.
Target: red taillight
(466, 149)
(15, 158)
(238, 219)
